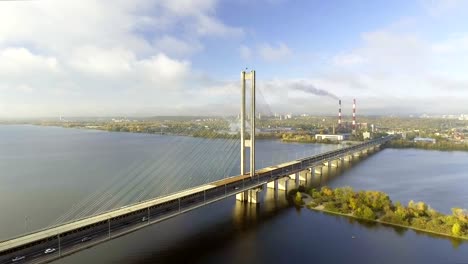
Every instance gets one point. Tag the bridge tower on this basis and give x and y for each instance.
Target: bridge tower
(248, 142)
(253, 195)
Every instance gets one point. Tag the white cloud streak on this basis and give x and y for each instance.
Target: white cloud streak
(95, 57)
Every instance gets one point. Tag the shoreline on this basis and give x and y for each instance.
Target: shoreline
(377, 207)
(323, 210)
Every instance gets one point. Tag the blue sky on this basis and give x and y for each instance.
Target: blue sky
(184, 57)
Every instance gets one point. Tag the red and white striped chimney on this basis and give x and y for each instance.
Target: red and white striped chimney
(339, 114)
(354, 114)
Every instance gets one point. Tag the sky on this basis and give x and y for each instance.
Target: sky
(184, 57)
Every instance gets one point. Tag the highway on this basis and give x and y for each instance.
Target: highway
(80, 234)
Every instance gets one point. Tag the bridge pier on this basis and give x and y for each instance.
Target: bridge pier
(299, 177)
(303, 176)
(250, 196)
(335, 163)
(279, 184)
(348, 158)
(318, 170)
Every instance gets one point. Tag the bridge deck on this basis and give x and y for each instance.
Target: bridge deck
(285, 169)
(53, 231)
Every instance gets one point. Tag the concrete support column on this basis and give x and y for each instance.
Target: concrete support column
(250, 196)
(281, 184)
(303, 176)
(318, 170)
(275, 186)
(296, 179)
(308, 177)
(334, 163)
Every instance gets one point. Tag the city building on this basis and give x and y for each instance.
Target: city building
(428, 140)
(366, 135)
(339, 137)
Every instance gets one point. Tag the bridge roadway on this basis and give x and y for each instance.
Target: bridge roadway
(80, 234)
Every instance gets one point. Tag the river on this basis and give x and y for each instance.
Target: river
(45, 171)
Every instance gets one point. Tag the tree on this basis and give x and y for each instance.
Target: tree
(298, 198)
(421, 206)
(456, 229)
(365, 212)
(353, 203)
(461, 214)
(327, 191)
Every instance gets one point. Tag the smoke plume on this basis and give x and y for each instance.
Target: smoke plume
(309, 88)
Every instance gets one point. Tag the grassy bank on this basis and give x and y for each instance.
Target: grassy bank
(377, 207)
(441, 145)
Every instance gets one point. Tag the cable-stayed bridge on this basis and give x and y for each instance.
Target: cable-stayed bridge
(66, 238)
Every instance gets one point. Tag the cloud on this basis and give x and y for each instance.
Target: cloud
(161, 68)
(347, 59)
(208, 25)
(271, 53)
(176, 47)
(454, 44)
(393, 52)
(448, 84)
(402, 63)
(438, 8)
(188, 7)
(15, 61)
(90, 59)
(95, 57)
(245, 52)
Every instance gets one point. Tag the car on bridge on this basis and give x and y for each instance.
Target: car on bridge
(49, 250)
(19, 258)
(86, 238)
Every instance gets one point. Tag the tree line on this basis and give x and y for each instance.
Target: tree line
(377, 206)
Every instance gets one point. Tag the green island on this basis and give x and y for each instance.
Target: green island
(377, 207)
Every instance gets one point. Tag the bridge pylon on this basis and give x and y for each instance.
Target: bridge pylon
(248, 142)
(246, 196)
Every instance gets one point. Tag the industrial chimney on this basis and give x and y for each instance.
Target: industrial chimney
(339, 114)
(354, 114)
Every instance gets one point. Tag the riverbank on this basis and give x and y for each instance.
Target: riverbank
(192, 130)
(377, 207)
(441, 145)
(310, 141)
(305, 138)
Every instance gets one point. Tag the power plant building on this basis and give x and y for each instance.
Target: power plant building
(339, 137)
(427, 140)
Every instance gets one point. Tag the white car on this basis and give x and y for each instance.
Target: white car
(18, 258)
(49, 250)
(85, 239)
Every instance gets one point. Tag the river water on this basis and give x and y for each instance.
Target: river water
(46, 172)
